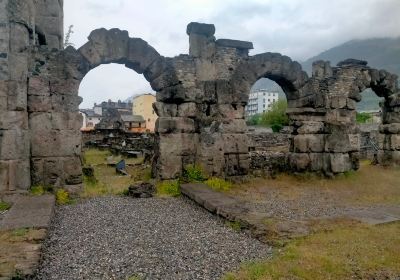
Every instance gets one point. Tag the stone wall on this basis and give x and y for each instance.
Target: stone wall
(200, 101)
(16, 25)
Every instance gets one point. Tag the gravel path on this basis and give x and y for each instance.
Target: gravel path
(116, 238)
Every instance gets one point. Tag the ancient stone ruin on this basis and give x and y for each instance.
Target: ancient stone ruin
(200, 101)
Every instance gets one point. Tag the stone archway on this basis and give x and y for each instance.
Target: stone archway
(54, 102)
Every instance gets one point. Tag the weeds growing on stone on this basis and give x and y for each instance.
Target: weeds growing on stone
(169, 188)
(236, 226)
(41, 190)
(4, 206)
(218, 184)
(193, 173)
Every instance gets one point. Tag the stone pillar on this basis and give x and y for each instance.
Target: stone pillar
(390, 132)
(16, 20)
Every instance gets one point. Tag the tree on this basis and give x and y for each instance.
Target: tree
(253, 120)
(276, 118)
(363, 117)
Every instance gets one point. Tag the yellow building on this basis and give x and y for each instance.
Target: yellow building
(143, 106)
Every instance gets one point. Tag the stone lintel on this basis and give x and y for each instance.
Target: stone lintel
(235, 44)
(201, 29)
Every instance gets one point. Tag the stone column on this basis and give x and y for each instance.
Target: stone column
(16, 23)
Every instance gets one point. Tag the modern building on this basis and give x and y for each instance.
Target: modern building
(143, 106)
(261, 101)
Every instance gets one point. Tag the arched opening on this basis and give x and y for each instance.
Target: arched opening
(116, 140)
(266, 106)
(369, 118)
(115, 87)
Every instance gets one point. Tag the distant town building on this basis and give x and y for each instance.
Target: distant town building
(143, 106)
(261, 101)
(90, 119)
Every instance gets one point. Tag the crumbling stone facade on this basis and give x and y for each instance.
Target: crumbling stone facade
(200, 101)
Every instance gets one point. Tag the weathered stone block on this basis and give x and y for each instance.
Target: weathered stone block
(13, 120)
(39, 86)
(56, 143)
(165, 109)
(311, 127)
(391, 117)
(236, 164)
(42, 122)
(319, 162)
(227, 111)
(14, 144)
(37, 103)
(235, 143)
(309, 143)
(72, 168)
(299, 161)
(233, 126)
(19, 38)
(178, 144)
(188, 110)
(341, 142)
(175, 125)
(340, 163)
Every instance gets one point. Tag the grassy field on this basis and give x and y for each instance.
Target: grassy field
(356, 252)
(369, 185)
(107, 181)
(336, 249)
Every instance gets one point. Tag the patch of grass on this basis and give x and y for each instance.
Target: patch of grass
(20, 232)
(134, 278)
(62, 197)
(356, 252)
(371, 184)
(193, 173)
(236, 226)
(41, 190)
(95, 156)
(168, 188)
(4, 206)
(218, 184)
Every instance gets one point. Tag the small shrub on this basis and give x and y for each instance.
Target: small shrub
(193, 173)
(41, 190)
(218, 184)
(236, 226)
(62, 197)
(276, 118)
(276, 127)
(169, 188)
(4, 206)
(363, 117)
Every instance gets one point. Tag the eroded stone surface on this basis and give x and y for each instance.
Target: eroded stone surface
(200, 101)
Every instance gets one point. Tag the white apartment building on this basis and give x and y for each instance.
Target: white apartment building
(261, 101)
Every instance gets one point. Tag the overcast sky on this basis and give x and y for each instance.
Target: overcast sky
(297, 28)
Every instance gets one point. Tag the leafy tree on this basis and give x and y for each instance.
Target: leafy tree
(276, 118)
(363, 117)
(253, 120)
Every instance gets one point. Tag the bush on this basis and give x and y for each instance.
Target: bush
(193, 173)
(218, 184)
(62, 197)
(253, 120)
(276, 118)
(169, 188)
(363, 117)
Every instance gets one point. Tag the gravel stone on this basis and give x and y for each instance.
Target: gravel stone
(117, 237)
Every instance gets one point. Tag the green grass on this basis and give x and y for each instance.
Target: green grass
(218, 184)
(20, 232)
(106, 181)
(4, 206)
(356, 252)
(62, 197)
(236, 226)
(193, 173)
(168, 188)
